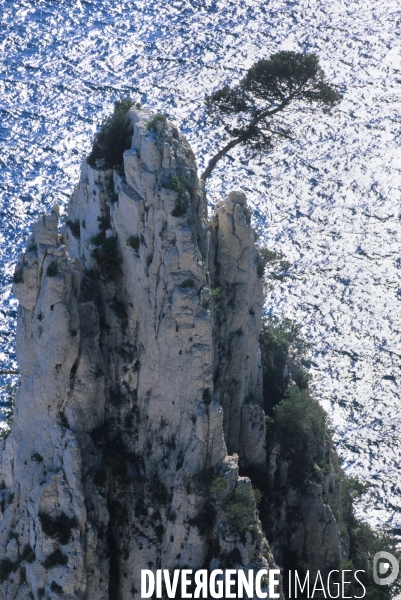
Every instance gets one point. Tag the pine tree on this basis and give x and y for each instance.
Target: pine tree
(270, 86)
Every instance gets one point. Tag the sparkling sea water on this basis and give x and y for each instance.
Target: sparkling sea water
(330, 201)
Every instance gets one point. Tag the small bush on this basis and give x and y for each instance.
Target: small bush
(114, 136)
(28, 554)
(6, 568)
(299, 420)
(240, 516)
(265, 256)
(206, 518)
(240, 512)
(52, 269)
(99, 238)
(99, 434)
(364, 543)
(63, 419)
(280, 335)
(275, 259)
(56, 588)
(7, 413)
(37, 457)
(270, 255)
(134, 241)
(216, 295)
(108, 258)
(179, 184)
(59, 528)
(155, 120)
(104, 222)
(206, 396)
(55, 559)
(74, 227)
(218, 488)
(188, 283)
(18, 276)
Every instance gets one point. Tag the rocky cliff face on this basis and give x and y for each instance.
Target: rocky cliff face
(141, 384)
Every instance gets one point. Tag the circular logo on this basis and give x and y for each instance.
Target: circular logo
(384, 568)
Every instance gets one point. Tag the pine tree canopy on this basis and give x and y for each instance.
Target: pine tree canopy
(270, 86)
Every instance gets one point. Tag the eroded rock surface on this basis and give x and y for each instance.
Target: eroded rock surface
(136, 377)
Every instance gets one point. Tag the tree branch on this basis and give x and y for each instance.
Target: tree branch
(216, 157)
(257, 118)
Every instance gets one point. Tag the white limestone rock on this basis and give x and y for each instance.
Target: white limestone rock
(233, 260)
(118, 414)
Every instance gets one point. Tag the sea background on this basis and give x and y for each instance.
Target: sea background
(330, 201)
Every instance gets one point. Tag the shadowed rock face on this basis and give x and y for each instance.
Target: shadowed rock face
(135, 378)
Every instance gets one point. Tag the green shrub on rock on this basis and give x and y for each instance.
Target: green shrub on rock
(52, 269)
(74, 227)
(58, 527)
(299, 420)
(108, 258)
(114, 136)
(281, 334)
(155, 120)
(240, 513)
(179, 184)
(55, 559)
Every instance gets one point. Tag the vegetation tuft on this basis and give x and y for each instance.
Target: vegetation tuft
(6, 568)
(108, 258)
(134, 241)
(365, 542)
(155, 120)
(18, 276)
(274, 259)
(52, 269)
(36, 457)
(7, 412)
(298, 426)
(74, 227)
(56, 588)
(114, 136)
(282, 334)
(216, 296)
(298, 419)
(57, 558)
(179, 184)
(188, 283)
(59, 528)
(240, 511)
(99, 238)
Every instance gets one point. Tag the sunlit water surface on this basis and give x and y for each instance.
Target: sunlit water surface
(330, 201)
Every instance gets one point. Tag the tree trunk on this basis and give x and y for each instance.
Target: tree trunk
(216, 157)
